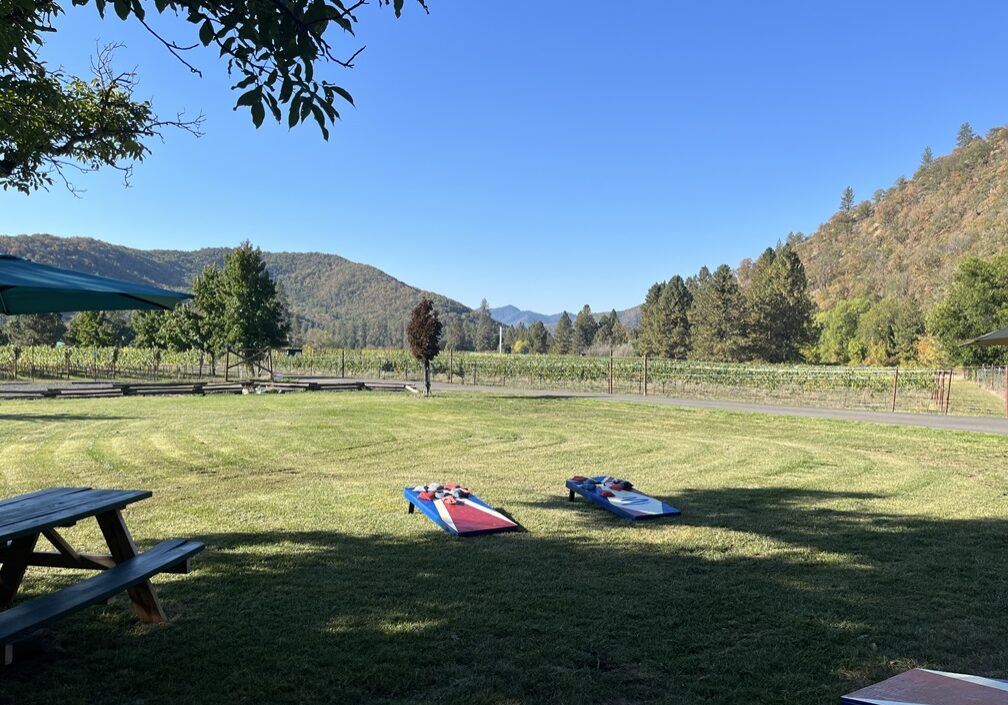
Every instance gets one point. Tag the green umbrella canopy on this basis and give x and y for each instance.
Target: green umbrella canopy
(28, 287)
(998, 337)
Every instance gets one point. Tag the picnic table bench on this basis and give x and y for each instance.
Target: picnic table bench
(25, 518)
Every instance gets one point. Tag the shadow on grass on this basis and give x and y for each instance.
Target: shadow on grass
(50, 418)
(755, 596)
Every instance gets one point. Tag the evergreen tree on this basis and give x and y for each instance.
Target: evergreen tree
(778, 307)
(486, 329)
(675, 303)
(965, 135)
(35, 329)
(717, 319)
(927, 158)
(847, 200)
(241, 306)
(650, 332)
(585, 327)
(538, 338)
(563, 336)
(455, 335)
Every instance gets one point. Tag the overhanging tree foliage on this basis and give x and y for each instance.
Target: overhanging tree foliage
(275, 50)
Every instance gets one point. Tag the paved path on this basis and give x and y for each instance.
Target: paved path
(981, 424)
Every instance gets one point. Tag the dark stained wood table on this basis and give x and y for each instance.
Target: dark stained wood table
(26, 518)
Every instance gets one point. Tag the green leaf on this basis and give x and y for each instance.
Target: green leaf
(285, 89)
(398, 7)
(250, 98)
(258, 114)
(345, 94)
(206, 33)
(122, 8)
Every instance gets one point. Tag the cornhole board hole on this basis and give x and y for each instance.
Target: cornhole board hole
(612, 494)
(923, 687)
(470, 516)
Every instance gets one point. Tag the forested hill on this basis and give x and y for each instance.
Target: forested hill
(907, 240)
(346, 302)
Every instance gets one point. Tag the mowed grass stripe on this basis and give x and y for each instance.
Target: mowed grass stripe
(812, 557)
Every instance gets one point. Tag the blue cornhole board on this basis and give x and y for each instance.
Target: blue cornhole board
(466, 517)
(630, 504)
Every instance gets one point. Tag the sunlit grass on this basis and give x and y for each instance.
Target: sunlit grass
(812, 556)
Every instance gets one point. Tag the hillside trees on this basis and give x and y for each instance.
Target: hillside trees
(965, 135)
(50, 120)
(976, 303)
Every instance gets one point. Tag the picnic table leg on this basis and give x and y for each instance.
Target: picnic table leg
(571, 498)
(14, 565)
(122, 548)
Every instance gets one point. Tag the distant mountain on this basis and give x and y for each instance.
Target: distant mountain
(355, 304)
(513, 316)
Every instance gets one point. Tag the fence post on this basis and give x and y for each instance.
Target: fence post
(948, 395)
(894, 385)
(1006, 389)
(645, 374)
(342, 363)
(610, 370)
(451, 360)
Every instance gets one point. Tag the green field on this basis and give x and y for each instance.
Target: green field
(812, 558)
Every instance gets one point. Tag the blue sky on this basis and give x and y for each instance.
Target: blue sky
(550, 155)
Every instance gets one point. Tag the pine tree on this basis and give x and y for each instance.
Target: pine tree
(538, 337)
(563, 336)
(778, 307)
(675, 303)
(486, 329)
(717, 319)
(585, 327)
(252, 312)
(927, 158)
(847, 200)
(965, 135)
(650, 334)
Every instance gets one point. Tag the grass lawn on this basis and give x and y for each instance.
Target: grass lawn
(812, 558)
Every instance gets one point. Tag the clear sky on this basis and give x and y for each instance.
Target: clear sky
(549, 154)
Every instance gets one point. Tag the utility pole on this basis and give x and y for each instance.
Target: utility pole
(500, 340)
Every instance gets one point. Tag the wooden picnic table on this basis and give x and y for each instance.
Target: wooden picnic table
(26, 518)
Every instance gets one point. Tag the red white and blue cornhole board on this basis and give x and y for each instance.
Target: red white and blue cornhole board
(629, 504)
(923, 687)
(466, 517)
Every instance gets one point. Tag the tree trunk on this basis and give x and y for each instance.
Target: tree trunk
(426, 377)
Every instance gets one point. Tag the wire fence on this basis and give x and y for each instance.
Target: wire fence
(977, 390)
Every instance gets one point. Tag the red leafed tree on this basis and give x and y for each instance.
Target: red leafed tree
(424, 333)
